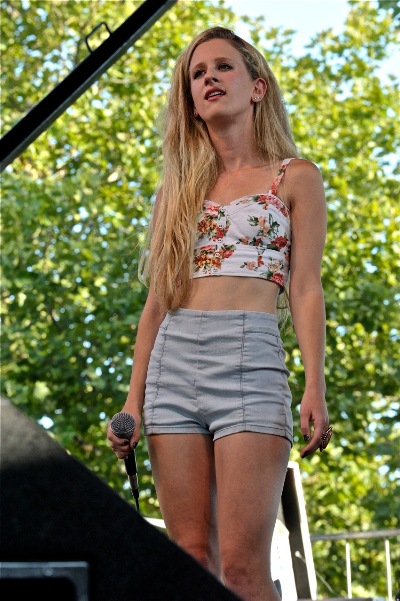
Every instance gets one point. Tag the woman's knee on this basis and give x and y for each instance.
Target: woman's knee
(199, 551)
(244, 571)
(236, 566)
(203, 551)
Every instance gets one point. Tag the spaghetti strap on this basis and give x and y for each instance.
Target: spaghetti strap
(275, 184)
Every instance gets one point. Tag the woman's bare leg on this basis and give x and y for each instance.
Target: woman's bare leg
(250, 473)
(184, 477)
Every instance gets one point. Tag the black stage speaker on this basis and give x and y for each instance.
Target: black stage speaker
(66, 535)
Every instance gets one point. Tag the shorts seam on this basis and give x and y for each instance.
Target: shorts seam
(255, 428)
(283, 379)
(283, 397)
(241, 372)
(280, 351)
(157, 383)
(197, 371)
(149, 430)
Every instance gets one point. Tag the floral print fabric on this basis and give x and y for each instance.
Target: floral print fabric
(248, 237)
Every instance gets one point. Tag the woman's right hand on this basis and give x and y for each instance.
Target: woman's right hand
(123, 446)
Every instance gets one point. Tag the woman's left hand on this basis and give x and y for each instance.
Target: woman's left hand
(313, 411)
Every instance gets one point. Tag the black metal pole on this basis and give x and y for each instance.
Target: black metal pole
(46, 111)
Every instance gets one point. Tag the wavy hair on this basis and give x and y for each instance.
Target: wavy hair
(191, 167)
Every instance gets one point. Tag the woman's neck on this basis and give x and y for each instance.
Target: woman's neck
(237, 156)
(235, 149)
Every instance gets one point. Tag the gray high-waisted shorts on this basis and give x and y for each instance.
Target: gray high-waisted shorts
(218, 372)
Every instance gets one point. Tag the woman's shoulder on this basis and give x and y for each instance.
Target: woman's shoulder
(301, 168)
(304, 183)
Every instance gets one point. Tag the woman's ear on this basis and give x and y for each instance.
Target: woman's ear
(259, 89)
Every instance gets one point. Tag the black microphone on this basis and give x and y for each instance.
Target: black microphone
(123, 425)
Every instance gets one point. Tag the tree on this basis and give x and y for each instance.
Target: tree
(392, 5)
(75, 210)
(344, 119)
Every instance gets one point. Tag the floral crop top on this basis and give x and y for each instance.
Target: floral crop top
(251, 236)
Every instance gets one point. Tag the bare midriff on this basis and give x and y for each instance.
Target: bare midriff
(224, 293)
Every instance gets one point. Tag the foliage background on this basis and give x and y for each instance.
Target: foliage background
(75, 207)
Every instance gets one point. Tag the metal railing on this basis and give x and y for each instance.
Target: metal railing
(348, 536)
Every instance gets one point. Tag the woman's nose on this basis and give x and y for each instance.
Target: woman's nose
(210, 78)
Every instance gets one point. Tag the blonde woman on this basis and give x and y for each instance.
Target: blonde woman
(237, 211)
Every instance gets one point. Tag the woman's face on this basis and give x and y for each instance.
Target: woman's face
(221, 86)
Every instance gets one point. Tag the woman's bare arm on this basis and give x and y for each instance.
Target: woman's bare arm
(308, 214)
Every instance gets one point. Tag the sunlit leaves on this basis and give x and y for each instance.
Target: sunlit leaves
(75, 209)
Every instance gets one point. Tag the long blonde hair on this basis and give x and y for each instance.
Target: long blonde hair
(191, 166)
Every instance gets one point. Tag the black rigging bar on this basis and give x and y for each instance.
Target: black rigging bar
(46, 111)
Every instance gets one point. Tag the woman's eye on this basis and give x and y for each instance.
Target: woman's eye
(222, 67)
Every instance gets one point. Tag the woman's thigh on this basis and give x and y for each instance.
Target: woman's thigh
(250, 474)
(184, 477)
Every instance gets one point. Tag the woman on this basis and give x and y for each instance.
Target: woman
(236, 211)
